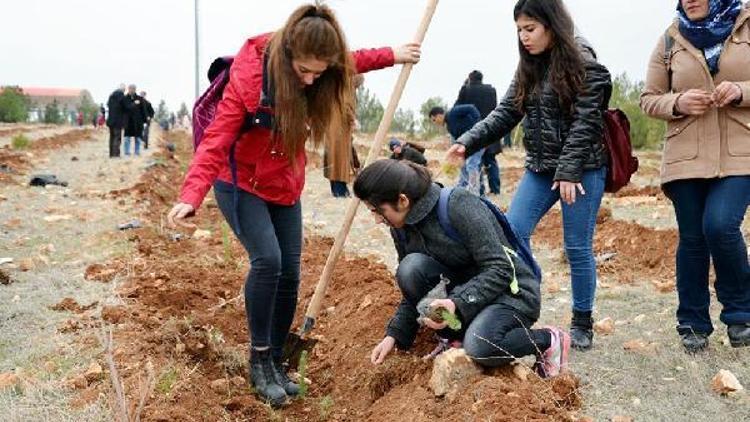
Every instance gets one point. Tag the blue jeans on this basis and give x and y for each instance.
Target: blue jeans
(471, 174)
(495, 337)
(126, 146)
(535, 197)
(493, 172)
(272, 237)
(709, 216)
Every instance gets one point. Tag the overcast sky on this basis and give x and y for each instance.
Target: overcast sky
(96, 44)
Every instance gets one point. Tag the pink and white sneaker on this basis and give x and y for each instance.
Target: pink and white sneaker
(554, 360)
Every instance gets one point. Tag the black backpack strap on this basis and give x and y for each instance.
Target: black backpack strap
(668, 44)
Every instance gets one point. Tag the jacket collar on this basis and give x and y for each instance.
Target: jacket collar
(424, 205)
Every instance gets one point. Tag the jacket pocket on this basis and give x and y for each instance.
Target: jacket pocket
(681, 142)
(738, 134)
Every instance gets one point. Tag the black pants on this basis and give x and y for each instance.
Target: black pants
(115, 139)
(272, 236)
(339, 189)
(495, 337)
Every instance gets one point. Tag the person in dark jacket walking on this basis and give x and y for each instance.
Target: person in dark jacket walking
(560, 92)
(405, 151)
(135, 117)
(148, 114)
(484, 98)
(310, 71)
(116, 120)
(458, 121)
(493, 293)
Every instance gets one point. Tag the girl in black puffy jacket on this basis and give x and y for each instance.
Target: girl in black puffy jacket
(560, 92)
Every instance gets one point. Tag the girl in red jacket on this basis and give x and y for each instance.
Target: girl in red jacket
(308, 92)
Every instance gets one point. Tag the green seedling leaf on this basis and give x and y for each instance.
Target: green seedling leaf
(451, 319)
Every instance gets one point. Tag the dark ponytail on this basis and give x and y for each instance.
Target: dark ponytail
(384, 180)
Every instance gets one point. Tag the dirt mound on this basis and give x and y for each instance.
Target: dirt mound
(642, 253)
(70, 305)
(184, 317)
(12, 163)
(642, 191)
(63, 140)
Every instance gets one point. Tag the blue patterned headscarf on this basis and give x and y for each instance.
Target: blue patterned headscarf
(710, 33)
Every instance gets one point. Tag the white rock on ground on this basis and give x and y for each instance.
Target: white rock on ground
(452, 369)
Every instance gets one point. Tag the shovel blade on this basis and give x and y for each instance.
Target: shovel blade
(294, 346)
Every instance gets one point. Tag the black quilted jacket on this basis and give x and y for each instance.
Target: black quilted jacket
(563, 143)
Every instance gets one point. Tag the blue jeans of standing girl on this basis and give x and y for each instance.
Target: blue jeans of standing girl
(709, 215)
(535, 197)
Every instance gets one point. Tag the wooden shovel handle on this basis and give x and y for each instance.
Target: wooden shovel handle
(338, 245)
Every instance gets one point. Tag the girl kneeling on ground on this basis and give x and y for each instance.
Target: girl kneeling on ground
(493, 293)
(309, 93)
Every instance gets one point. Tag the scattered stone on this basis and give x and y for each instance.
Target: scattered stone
(57, 218)
(9, 380)
(220, 385)
(602, 258)
(620, 418)
(69, 326)
(365, 303)
(605, 326)
(552, 287)
(50, 366)
(132, 224)
(725, 383)
(521, 372)
(639, 319)
(26, 264)
(238, 382)
(5, 278)
(74, 158)
(451, 369)
(4, 261)
(201, 234)
(94, 373)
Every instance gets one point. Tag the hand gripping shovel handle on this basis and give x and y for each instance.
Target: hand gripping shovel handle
(338, 245)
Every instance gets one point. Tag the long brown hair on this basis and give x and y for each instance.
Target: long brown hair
(562, 64)
(312, 31)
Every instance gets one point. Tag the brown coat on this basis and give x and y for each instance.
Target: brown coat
(716, 144)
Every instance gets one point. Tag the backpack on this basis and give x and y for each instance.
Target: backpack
(517, 248)
(622, 163)
(204, 112)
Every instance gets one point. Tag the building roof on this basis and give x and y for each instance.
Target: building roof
(52, 92)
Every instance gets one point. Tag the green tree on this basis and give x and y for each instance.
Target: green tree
(369, 110)
(645, 132)
(52, 114)
(183, 111)
(14, 106)
(88, 107)
(404, 122)
(162, 112)
(428, 130)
